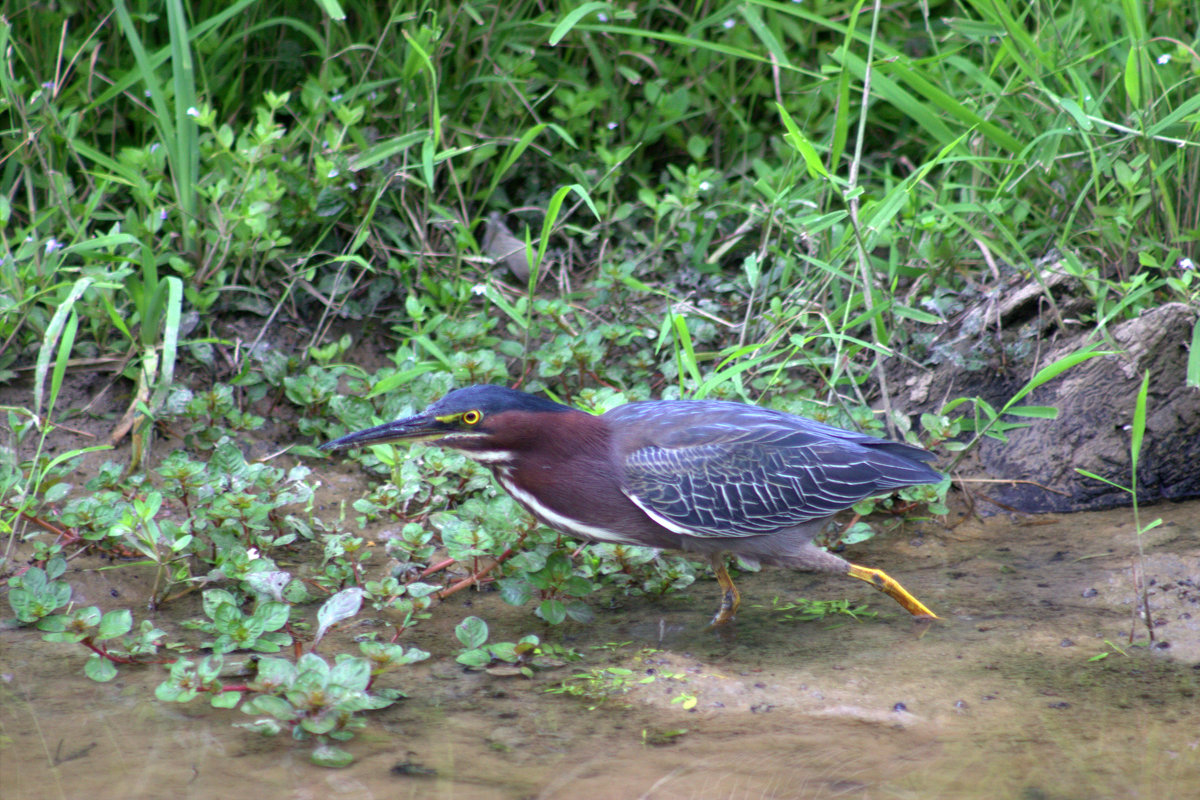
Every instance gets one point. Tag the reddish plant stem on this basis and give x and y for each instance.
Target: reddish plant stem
(45, 525)
(103, 653)
(475, 578)
(438, 567)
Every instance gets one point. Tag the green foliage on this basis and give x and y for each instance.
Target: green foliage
(38, 593)
(638, 570)
(597, 685)
(319, 699)
(310, 698)
(552, 578)
(638, 128)
(472, 633)
(235, 630)
(1136, 434)
(218, 527)
(803, 609)
(988, 420)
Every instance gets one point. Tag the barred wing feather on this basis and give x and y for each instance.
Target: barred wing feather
(728, 479)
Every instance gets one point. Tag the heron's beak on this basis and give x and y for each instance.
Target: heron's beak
(417, 428)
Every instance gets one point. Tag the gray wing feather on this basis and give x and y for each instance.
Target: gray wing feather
(756, 471)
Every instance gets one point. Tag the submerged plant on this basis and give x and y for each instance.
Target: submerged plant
(1137, 432)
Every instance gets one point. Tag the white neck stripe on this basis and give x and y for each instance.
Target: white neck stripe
(489, 456)
(673, 527)
(558, 521)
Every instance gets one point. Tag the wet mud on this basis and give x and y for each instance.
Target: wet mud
(1027, 688)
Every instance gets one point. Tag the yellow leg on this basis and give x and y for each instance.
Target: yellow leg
(888, 585)
(730, 598)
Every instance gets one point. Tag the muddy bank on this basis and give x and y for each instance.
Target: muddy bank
(1010, 696)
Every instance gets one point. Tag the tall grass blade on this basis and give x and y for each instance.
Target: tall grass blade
(50, 344)
(1193, 362)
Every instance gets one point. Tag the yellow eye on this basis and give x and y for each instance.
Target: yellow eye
(472, 417)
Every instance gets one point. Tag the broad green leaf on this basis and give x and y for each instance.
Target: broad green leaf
(226, 699)
(472, 632)
(552, 611)
(99, 669)
(474, 658)
(115, 623)
(351, 673)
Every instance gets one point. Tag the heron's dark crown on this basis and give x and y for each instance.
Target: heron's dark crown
(491, 400)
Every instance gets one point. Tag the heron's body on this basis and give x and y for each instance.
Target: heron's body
(699, 476)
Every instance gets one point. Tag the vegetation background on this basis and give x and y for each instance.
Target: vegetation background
(281, 221)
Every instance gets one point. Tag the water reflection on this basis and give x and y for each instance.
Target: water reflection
(1002, 699)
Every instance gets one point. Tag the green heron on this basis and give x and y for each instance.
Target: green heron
(694, 475)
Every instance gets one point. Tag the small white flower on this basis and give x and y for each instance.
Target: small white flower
(162, 214)
(1186, 263)
(612, 126)
(333, 172)
(193, 112)
(252, 553)
(1165, 58)
(729, 23)
(479, 289)
(705, 186)
(52, 244)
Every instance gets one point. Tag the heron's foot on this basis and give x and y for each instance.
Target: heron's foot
(730, 597)
(889, 586)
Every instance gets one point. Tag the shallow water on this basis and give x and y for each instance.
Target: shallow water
(999, 700)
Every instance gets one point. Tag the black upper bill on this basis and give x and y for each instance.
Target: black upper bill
(418, 427)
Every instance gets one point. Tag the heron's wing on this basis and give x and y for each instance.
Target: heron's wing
(756, 472)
